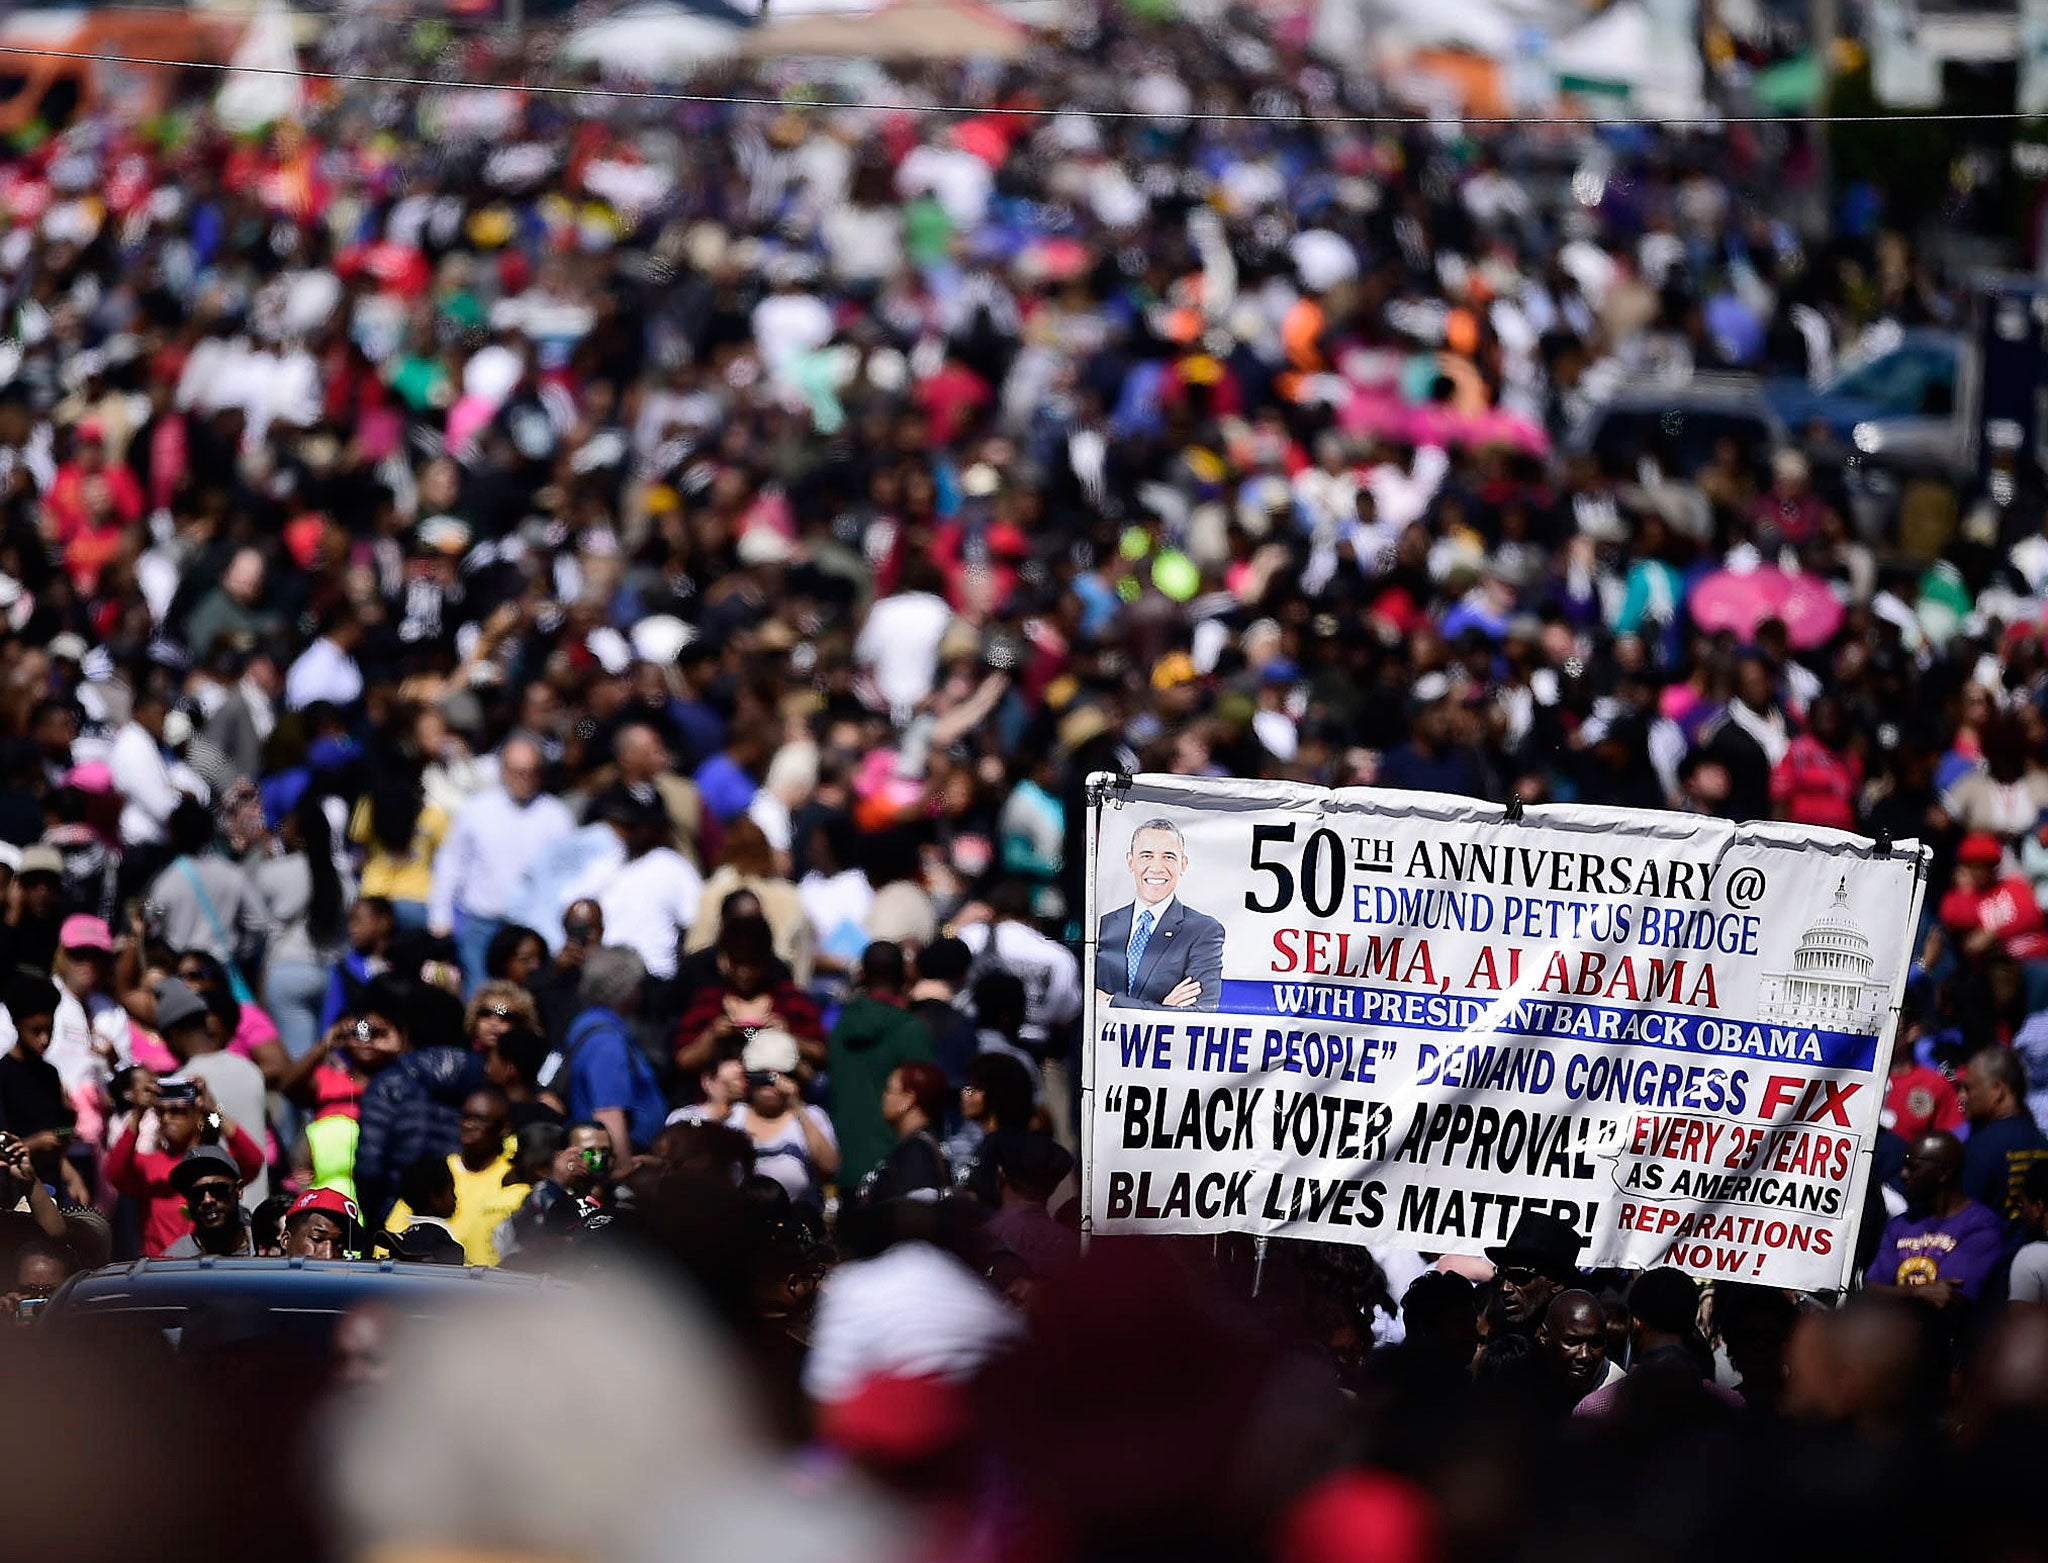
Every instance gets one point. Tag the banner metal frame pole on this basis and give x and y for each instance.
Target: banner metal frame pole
(1101, 785)
(1888, 1037)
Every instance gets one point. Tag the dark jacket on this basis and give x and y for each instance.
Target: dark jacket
(412, 1109)
(1187, 943)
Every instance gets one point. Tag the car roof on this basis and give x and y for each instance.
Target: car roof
(317, 1285)
(1734, 390)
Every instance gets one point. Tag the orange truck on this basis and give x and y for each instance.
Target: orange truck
(54, 91)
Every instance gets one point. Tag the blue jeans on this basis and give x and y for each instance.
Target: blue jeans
(473, 936)
(293, 992)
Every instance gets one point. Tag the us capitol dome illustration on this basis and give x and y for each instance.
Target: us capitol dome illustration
(1829, 987)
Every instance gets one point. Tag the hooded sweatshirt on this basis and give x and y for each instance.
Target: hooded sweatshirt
(871, 1038)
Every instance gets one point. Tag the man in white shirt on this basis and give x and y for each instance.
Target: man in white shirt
(900, 641)
(326, 670)
(479, 871)
(146, 775)
(789, 323)
(1052, 993)
(1050, 973)
(649, 895)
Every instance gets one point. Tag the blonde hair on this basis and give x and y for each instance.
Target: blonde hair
(498, 992)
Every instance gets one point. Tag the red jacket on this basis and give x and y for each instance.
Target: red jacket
(1813, 785)
(790, 1002)
(147, 1176)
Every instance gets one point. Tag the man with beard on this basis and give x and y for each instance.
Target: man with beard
(211, 1182)
(1539, 1260)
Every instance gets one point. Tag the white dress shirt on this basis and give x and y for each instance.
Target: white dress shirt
(1138, 910)
(649, 904)
(482, 864)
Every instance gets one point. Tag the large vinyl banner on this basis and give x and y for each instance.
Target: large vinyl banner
(1405, 1020)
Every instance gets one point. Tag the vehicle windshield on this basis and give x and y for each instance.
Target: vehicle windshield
(1918, 380)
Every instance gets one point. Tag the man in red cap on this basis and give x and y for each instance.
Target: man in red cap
(1990, 910)
(322, 1224)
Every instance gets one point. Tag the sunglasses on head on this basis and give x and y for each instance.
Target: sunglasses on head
(501, 1011)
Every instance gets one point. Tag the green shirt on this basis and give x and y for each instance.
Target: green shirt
(867, 1044)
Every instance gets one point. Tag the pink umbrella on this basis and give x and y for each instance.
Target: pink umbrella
(1430, 423)
(1739, 602)
(1495, 427)
(1376, 412)
(1373, 413)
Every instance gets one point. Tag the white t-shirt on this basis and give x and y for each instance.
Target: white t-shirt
(73, 1033)
(649, 905)
(1048, 970)
(838, 908)
(787, 1156)
(901, 643)
(2030, 1274)
(788, 325)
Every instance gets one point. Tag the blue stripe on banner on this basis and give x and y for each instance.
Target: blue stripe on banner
(1559, 1019)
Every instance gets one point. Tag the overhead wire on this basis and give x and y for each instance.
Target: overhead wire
(1703, 122)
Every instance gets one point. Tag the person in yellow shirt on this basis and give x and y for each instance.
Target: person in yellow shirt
(485, 1189)
(399, 832)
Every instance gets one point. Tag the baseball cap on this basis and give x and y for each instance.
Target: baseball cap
(325, 1202)
(775, 1050)
(176, 1004)
(1980, 846)
(40, 859)
(83, 931)
(67, 647)
(425, 1241)
(203, 1161)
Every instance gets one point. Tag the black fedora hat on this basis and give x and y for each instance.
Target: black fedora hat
(1542, 1243)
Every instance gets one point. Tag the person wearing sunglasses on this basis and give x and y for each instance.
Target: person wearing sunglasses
(496, 1008)
(149, 1169)
(211, 1185)
(1539, 1260)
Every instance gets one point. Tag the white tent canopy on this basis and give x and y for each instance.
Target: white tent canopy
(653, 41)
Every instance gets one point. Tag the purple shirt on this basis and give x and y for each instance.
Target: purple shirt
(1964, 1248)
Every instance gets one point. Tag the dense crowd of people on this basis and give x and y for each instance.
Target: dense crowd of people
(550, 650)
